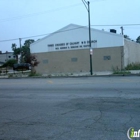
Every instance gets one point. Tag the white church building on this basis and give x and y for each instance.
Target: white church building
(57, 51)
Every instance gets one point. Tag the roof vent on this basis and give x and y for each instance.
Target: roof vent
(113, 31)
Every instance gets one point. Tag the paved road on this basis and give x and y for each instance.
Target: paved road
(97, 108)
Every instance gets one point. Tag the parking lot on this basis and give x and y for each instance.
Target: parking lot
(85, 108)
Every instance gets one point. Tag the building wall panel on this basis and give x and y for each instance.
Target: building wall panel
(73, 61)
(131, 52)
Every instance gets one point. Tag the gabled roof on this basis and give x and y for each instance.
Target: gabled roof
(74, 27)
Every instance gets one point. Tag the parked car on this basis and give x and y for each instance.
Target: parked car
(22, 66)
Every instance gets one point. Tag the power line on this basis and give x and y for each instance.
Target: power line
(119, 25)
(54, 32)
(40, 13)
(41, 34)
(9, 40)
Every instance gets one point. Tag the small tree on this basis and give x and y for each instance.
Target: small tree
(16, 50)
(24, 50)
(28, 42)
(34, 62)
(10, 63)
(138, 39)
(127, 37)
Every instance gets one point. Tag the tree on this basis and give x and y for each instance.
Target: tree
(10, 63)
(28, 42)
(26, 56)
(14, 46)
(16, 50)
(138, 39)
(127, 37)
(33, 61)
(24, 50)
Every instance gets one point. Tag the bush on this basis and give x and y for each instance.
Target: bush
(9, 63)
(118, 71)
(122, 72)
(34, 74)
(133, 66)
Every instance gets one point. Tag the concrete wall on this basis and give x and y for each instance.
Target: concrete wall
(115, 62)
(131, 52)
(73, 61)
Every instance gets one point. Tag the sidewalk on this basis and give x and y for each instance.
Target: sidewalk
(25, 74)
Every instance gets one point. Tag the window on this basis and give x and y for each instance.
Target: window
(9, 56)
(45, 61)
(74, 59)
(107, 57)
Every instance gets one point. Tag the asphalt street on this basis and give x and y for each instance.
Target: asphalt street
(85, 108)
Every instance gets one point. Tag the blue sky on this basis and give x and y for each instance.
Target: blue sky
(25, 18)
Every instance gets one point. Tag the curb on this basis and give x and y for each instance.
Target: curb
(81, 76)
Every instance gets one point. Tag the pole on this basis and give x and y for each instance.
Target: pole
(6, 61)
(87, 5)
(20, 50)
(122, 30)
(90, 37)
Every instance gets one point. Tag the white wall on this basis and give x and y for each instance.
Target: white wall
(107, 39)
(131, 52)
(74, 33)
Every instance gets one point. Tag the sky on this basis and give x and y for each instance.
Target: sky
(34, 19)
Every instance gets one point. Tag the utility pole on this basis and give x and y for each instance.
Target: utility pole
(87, 5)
(20, 50)
(122, 52)
(122, 29)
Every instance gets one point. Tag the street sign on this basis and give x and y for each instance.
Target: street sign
(91, 51)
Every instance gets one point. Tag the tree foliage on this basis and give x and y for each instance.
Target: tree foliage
(24, 51)
(10, 63)
(127, 37)
(33, 61)
(28, 42)
(138, 39)
(16, 50)
(133, 66)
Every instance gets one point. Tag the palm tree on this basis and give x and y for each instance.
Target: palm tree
(16, 50)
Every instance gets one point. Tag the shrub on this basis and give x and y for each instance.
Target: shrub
(122, 72)
(133, 66)
(34, 74)
(10, 63)
(118, 71)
